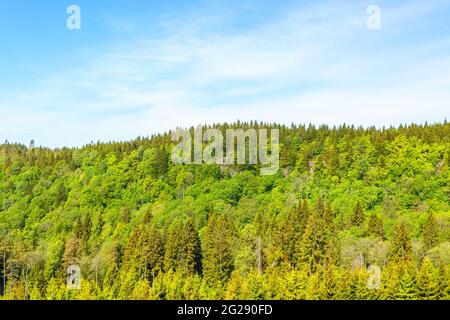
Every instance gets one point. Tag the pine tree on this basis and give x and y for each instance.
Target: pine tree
(288, 237)
(234, 287)
(400, 247)
(304, 215)
(125, 214)
(427, 281)
(217, 248)
(152, 252)
(406, 288)
(360, 289)
(314, 243)
(320, 207)
(71, 252)
(444, 281)
(141, 291)
(86, 233)
(391, 282)
(312, 290)
(329, 216)
(182, 248)
(328, 285)
(430, 233)
(375, 227)
(358, 215)
(78, 228)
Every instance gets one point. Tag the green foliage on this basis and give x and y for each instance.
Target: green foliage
(430, 233)
(400, 249)
(217, 249)
(375, 227)
(141, 227)
(427, 281)
(358, 215)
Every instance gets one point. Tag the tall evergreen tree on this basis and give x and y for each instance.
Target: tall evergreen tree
(217, 249)
(430, 233)
(314, 243)
(406, 288)
(375, 227)
(400, 246)
(427, 281)
(152, 252)
(181, 248)
(358, 214)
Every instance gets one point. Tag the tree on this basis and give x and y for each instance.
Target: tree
(314, 243)
(375, 227)
(400, 247)
(182, 248)
(406, 288)
(288, 236)
(430, 233)
(152, 252)
(125, 214)
(427, 281)
(328, 285)
(71, 252)
(358, 215)
(217, 248)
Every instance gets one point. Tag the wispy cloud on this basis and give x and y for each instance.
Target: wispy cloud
(317, 64)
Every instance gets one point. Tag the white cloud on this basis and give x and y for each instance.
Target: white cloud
(316, 64)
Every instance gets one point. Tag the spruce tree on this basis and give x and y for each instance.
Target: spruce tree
(430, 233)
(289, 235)
(406, 288)
(217, 249)
(400, 247)
(328, 285)
(314, 243)
(427, 281)
(375, 227)
(358, 215)
(152, 252)
(181, 249)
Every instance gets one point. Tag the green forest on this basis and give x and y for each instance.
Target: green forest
(353, 213)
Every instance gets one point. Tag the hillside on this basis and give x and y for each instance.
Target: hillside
(345, 202)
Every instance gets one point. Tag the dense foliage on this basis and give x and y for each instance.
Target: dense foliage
(141, 227)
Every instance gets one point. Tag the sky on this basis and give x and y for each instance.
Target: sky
(141, 67)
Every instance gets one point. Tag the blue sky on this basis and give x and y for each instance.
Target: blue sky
(140, 67)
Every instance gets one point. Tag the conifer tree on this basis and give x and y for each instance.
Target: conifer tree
(78, 228)
(400, 247)
(391, 281)
(217, 249)
(314, 243)
(329, 216)
(406, 288)
(430, 233)
(358, 215)
(86, 233)
(304, 214)
(375, 227)
(152, 252)
(181, 250)
(289, 235)
(427, 281)
(328, 285)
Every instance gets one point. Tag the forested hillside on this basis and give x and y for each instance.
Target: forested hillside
(141, 227)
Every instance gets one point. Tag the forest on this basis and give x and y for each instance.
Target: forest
(352, 214)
